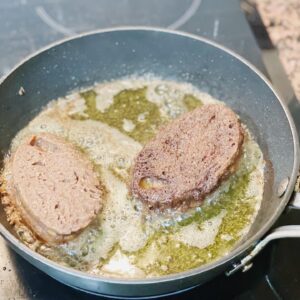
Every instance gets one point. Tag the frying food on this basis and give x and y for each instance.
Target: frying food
(109, 152)
(188, 158)
(54, 187)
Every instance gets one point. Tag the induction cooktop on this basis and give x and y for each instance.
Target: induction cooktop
(28, 25)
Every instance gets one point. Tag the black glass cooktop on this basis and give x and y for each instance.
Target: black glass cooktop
(28, 25)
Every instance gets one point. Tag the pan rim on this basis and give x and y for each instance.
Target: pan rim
(192, 272)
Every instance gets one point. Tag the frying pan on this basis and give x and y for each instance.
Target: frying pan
(114, 53)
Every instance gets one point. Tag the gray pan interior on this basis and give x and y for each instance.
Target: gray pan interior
(111, 54)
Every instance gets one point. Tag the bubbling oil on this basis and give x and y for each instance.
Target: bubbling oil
(110, 122)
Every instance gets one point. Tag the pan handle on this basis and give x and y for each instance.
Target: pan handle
(289, 231)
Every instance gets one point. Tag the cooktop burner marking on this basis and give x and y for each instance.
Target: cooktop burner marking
(187, 15)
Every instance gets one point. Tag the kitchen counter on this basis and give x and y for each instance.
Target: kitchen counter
(282, 21)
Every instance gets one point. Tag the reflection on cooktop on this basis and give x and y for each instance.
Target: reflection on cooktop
(29, 25)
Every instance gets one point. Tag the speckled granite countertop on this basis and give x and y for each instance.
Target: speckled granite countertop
(282, 20)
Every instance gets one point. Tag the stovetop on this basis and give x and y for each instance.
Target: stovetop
(27, 25)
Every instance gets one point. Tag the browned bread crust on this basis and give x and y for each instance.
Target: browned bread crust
(52, 187)
(188, 159)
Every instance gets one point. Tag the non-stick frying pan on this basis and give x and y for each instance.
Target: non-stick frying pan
(114, 53)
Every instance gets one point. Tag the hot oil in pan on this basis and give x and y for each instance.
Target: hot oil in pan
(110, 123)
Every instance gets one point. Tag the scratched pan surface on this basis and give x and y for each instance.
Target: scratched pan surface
(111, 54)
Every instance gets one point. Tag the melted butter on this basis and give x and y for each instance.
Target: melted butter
(109, 123)
(177, 254)
(151, 183)
(191, 102)
(200, 235)
(123, 111)
(120, 264)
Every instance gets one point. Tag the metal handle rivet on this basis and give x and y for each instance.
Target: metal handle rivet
(247, 267)
(282, 187)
